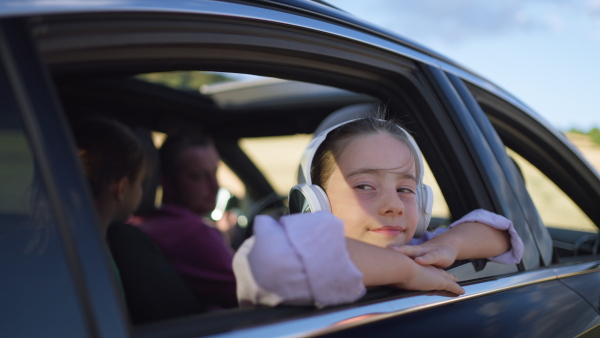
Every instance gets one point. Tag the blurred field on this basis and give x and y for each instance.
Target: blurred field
(589, 149)
(556, 208)
(278, 158)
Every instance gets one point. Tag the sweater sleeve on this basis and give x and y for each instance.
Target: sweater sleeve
(301, 260)
(512, 256)
(493, 220)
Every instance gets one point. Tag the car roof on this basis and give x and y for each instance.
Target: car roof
(315, 9)
(335, 22)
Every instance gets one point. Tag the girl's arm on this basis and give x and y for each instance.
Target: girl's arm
(306, 260)
(479, 234)
(381, 266)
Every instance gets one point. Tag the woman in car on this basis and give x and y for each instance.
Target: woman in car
(114, 162)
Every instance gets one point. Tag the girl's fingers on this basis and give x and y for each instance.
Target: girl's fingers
(455, 288)
(427, 259)
(409, 250)
(451, 284)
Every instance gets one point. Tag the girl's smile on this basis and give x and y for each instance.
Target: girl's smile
(372, 190)
(388, 230)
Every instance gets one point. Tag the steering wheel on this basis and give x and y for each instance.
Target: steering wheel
(270, 201)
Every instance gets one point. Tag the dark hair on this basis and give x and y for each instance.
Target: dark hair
(323, 164)
(175, 145)
(108, 151)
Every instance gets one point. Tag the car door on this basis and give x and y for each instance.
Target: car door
(534, 156)
(564, 187)
(56, 275)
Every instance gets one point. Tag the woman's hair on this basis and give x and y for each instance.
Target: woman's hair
(324, 162)
(108, 151)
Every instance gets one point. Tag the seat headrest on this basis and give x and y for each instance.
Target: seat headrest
(152, 180)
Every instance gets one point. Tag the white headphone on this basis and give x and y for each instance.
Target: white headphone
(308, 197)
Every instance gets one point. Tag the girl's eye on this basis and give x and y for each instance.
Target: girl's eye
(364, 187)
(406, 190)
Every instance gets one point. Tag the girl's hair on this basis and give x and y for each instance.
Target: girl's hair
(108, 151)
(324, 162)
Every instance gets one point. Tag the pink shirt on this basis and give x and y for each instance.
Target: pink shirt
(302, 259)
(197, 251)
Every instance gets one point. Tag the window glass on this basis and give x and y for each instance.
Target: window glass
(588, 145)
(37, 291)
(277, 158)
(16, 170)
(556, 209)
(440, 213)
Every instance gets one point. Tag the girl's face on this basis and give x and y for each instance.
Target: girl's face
(372, 190)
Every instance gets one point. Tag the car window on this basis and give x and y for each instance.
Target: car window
(440, 213)
(554, 177)
(277, 158)
(36, 288)
(16, 173)
(556, 208)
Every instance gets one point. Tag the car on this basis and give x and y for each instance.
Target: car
(65, 61)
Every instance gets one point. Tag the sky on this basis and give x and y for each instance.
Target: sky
(544, 52)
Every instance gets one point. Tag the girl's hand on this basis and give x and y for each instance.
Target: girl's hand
(382, 266)
(427, 278)
(440, 255)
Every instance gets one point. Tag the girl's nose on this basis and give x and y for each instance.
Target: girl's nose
(390, 203)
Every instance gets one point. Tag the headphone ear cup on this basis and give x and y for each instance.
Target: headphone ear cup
(425, 202)
(306, 198)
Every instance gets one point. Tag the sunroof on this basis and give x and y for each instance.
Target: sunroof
(191, 79)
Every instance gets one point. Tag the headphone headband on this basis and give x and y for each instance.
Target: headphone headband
(311, 151)
(312, 147)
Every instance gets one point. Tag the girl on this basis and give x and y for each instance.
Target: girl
(368, 173)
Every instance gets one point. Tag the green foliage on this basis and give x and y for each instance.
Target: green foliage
(191, 80)
(576, 131)
(595, 135)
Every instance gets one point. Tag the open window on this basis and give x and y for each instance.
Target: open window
(310, 75)
(555, 177)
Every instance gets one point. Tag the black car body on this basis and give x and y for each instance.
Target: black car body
(61, 61)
